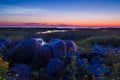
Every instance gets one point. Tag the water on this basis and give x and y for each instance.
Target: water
(41, 40)
(51, 31)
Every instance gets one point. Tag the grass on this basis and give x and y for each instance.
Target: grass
(100, 40)
(84, 39)
(76, 35)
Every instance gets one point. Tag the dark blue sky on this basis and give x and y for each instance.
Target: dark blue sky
(60, 11)
(63, 3)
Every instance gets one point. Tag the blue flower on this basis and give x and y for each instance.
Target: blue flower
(97, 60)
(98, 49)
(98, 69)
(20, 72)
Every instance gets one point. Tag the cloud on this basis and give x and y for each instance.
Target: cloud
(16, 10)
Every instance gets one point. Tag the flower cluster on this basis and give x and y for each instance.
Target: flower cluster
(3, 68)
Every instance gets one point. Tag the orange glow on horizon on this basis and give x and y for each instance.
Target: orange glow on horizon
(110, 23)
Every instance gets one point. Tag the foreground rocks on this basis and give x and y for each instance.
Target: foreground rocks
(53, 58)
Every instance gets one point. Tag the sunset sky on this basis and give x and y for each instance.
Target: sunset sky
(60, 12)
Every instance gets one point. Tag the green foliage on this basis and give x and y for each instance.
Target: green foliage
(3, 68)
(73, 68)
(86, 49)
(74, 72)
(84, 38)
(73, 34)
(115, 72)
(113, 59)
(101, 40)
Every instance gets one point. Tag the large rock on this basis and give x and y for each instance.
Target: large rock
(19, 72)
(54, 66)
(58, 47)
(42, 57)
(24, 51)
(70, 45)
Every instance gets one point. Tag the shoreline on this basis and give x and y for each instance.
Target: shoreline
(56, 27)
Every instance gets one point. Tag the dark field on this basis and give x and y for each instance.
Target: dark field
(73, 34)
(69, 54)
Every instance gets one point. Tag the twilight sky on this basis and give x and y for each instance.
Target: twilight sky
(58, 12)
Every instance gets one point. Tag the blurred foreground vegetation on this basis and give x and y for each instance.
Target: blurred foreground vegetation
(83, 38)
